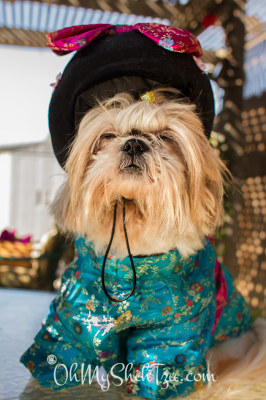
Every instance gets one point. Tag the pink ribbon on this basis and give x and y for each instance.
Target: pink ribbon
(74, 38)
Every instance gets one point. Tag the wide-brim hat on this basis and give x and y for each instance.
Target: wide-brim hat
(113, 59)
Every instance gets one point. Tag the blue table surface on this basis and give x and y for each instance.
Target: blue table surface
(21, 313)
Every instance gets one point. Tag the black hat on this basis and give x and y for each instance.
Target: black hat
(127, 61)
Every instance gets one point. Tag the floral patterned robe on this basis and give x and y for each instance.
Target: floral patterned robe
(180, 308)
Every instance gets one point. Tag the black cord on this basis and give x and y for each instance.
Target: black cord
(130, 256)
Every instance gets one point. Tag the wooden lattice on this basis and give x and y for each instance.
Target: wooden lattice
(251, 246)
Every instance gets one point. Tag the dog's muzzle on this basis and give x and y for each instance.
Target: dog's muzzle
(134, 149)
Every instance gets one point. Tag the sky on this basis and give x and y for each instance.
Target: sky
(25, 76)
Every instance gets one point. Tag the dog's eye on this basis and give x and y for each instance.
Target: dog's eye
(165, 137)
(108, 136)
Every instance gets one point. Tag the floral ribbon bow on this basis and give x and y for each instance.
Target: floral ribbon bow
(74, 38)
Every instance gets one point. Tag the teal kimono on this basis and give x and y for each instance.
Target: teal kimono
(156, 340)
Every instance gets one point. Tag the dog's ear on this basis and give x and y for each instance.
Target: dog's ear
(206, 192)
(204, 173)
(62, 211)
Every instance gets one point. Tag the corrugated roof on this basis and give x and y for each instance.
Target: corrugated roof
(24, 23)
(43, 17)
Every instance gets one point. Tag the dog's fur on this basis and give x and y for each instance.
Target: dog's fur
(174, 197)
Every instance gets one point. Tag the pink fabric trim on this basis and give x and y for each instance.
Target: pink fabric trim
(221, 296)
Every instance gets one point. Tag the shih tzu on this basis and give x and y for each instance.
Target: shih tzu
(156, 157)
(130, 120)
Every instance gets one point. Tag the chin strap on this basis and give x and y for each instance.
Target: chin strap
(130, 256)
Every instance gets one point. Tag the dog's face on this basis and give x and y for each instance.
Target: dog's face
(157, 157)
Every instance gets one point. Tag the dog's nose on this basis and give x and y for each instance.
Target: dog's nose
(135, 147)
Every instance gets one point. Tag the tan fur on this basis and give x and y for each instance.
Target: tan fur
(177, 197)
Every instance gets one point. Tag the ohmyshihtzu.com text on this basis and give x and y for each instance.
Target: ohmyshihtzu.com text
(149, 373)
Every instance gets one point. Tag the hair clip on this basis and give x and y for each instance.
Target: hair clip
(148, 96)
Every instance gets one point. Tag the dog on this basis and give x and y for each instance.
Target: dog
(156, 156)
(145, 297)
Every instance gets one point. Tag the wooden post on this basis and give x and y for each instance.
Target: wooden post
(229, 121)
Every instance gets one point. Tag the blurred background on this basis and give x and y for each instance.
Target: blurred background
(33, 254)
